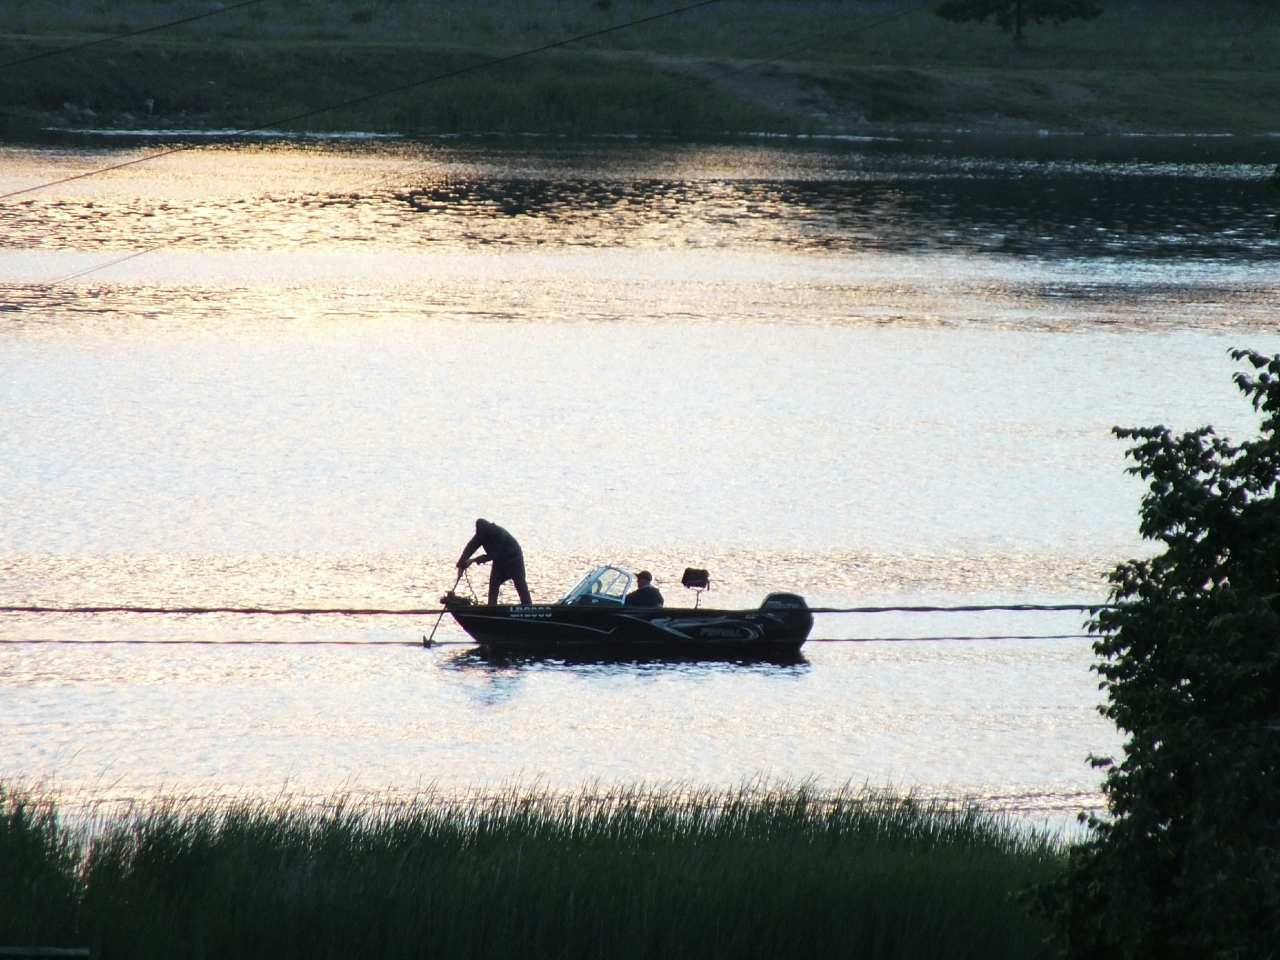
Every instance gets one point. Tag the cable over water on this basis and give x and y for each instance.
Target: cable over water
(247, 611)
(437, 611)
(132, 33)
(967, 608)
(472, 643)
(356, 101)
(753, 65)
(432, 611)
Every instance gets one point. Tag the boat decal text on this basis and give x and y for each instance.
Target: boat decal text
(531, 613)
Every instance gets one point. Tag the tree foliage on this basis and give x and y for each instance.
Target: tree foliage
(1188, 864)
(1016, 14)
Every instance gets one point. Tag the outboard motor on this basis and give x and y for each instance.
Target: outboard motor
(784, 601)
(791, 606)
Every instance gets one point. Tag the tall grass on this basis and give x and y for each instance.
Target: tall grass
(39, 864)
(785, 873)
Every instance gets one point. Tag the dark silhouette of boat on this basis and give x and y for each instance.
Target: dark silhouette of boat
(593, 617)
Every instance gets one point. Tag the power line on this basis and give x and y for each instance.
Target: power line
(1026, 636)
(354, 101)
(639, 648)
(807, 45)
(66, 278)
(250, 611)
(940, 639)
(432, 611)
(967, 608)
(48, 284)
(132, 33)
(226, 643)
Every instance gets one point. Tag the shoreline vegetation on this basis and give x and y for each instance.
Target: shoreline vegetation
(1204, 66)
(632, 873)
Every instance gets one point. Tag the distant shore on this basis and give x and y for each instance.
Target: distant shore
(1184, 67)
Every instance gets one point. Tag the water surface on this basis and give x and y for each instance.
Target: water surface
(868, 375)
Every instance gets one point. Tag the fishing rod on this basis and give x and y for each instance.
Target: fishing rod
(427, 641)
(462, 571)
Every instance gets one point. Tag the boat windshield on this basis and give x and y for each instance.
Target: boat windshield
(601, 585)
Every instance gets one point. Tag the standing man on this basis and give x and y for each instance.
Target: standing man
(645, 594)
(507, 557)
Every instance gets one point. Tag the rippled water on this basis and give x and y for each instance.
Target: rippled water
(866, 373)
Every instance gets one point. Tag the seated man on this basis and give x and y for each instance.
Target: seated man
(507, 557)
(645, 594)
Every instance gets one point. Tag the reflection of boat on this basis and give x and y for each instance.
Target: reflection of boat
(506, 656)
(592, 616)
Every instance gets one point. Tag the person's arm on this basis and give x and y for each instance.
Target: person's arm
(472, 545)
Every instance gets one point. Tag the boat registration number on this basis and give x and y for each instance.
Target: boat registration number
(531, 613)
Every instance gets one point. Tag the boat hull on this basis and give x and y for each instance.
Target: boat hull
(556, 628)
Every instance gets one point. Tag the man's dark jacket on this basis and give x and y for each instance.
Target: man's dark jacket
(501, 546)
(647, 596)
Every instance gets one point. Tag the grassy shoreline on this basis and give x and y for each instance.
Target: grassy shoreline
(630, 874)
(1167, 66)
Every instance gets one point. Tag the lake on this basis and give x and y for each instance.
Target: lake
(870, 371)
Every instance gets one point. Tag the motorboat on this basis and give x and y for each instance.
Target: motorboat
(594, 616)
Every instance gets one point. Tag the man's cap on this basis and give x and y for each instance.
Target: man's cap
(644, 575)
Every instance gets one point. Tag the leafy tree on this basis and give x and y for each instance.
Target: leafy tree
(1188, 864)
(1016, 14)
